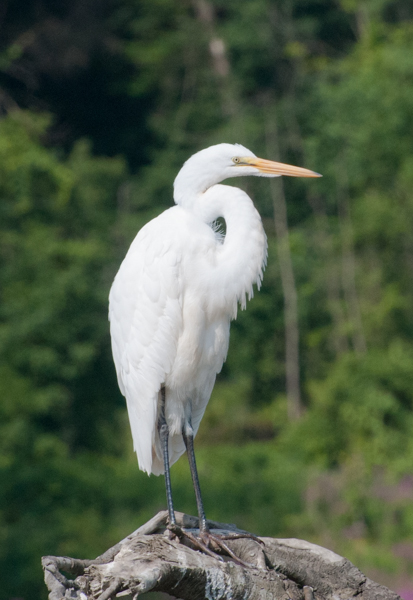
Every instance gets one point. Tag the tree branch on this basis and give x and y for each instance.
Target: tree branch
(149, 560)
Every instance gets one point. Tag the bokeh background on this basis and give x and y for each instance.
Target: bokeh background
(309, 430)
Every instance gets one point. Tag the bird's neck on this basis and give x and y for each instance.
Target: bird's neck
(242, 257)
(190, 184)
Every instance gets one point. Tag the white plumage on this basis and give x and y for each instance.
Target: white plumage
(176, 292)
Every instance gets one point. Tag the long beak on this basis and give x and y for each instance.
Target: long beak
(276, 168)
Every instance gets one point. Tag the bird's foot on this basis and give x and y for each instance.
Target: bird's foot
(217, 543)
(213, 544)
(196, 541)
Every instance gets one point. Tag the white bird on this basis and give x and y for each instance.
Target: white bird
(172, 301)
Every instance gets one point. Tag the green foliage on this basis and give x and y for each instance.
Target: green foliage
(363, 407)
(56, 221)
(53, 252)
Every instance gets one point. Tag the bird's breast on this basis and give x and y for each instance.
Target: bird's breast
(202, 347)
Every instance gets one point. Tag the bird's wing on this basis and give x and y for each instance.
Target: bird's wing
(145, 315)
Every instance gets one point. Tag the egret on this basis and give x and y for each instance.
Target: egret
(172, 301)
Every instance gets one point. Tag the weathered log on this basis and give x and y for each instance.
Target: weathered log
(149, 560)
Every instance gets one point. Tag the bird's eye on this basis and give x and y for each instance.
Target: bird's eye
(236, 160)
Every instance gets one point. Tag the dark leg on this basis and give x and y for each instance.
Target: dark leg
(208, 538)
(188, 435)
(163, 431)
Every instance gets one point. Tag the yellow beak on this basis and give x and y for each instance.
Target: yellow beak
(276, 168)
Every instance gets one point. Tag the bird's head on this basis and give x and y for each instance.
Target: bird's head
(223, 161)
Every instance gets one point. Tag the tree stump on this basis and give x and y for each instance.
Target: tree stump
(149, 560)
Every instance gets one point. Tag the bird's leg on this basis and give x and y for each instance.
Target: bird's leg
(188, 435)
(163, 431)
(206, 537)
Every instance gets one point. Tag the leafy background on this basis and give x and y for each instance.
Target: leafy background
(101, 102)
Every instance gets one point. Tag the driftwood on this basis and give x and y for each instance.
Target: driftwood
(149, 560)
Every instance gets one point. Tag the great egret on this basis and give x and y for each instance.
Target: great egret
(172, 301)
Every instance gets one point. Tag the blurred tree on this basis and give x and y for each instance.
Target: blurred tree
(56, 221)
(58, 395)
(67, 58)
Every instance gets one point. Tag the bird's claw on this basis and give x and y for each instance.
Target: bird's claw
(210, 543)
(238, 536)
(196, 541)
